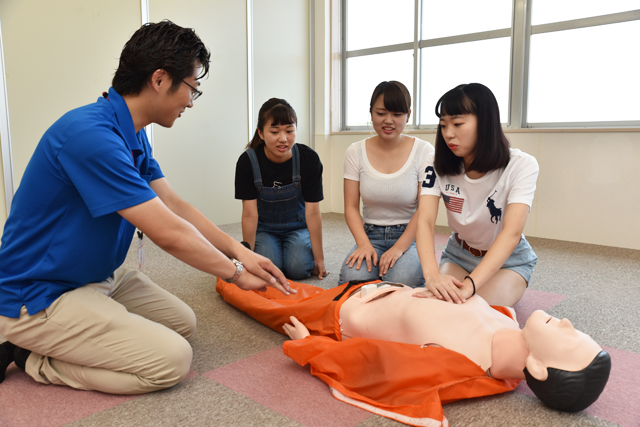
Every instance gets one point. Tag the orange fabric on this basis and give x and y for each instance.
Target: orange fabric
(407, 380)
(312, 305)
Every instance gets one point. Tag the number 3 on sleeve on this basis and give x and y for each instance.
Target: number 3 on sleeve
(430, 177)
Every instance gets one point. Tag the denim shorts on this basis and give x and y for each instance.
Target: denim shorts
(522, 260)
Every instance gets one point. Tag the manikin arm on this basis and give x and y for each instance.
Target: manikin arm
(296, 330)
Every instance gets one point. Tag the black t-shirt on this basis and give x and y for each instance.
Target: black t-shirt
(281, 174)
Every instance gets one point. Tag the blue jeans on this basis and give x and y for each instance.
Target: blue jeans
(407, 269)
(288, 247)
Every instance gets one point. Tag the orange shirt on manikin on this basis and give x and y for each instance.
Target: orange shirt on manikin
(404, 382)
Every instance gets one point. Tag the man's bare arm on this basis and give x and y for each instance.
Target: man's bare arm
(254, 263)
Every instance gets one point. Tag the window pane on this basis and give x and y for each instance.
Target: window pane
(364, 73)
(452, 18)
(596, 79)
(373, 23)
(547, 11)
(445, 67)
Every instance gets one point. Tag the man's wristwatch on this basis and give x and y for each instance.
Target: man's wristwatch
(239, 268)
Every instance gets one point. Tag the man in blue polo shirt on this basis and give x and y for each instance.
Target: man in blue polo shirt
(71, 314)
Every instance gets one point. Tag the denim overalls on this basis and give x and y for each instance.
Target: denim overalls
(282, 234)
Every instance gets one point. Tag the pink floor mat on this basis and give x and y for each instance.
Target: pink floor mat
(275, 381)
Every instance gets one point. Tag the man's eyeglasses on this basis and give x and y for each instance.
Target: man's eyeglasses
(195, 93)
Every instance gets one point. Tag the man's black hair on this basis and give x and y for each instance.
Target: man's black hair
(160, 46)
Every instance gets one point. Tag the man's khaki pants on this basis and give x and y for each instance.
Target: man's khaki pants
(125, 335)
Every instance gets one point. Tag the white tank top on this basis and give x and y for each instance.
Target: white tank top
(387, 199)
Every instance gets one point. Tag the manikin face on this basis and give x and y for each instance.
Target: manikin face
(278, 140)
(173, 104)
(460, 133)
(556, 344)
(387, 124)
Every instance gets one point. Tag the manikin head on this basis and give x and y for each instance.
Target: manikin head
(566, 368)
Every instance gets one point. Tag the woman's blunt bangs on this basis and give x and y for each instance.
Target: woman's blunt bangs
(282, 115)
(492, 146)
(279, 111)
(396, 97)
(455, 103)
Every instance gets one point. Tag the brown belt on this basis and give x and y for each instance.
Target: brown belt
(473, 251)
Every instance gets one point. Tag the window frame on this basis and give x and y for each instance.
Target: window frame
(520, 38)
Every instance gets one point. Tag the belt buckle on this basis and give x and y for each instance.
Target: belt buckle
(474, 249)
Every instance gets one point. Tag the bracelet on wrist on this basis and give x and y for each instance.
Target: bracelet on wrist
(473, 283)
(239, 268)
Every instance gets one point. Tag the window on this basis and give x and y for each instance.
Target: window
(550, 63)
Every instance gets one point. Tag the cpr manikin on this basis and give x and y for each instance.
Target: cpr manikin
(551, 350)
(461, 351)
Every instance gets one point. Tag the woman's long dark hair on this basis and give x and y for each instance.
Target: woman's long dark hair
(279, 111)
(492, 146)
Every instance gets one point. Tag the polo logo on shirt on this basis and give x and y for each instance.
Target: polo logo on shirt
(453, 204)
(495, 212)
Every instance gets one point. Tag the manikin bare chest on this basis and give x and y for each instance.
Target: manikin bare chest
(393, 314)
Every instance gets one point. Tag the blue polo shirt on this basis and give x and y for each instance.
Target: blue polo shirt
(63, 230)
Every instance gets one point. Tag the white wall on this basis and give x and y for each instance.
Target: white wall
(588, 187)
(281, 57)
(198, 153)
(58, 56)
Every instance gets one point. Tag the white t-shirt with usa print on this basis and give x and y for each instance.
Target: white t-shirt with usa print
(475, 206)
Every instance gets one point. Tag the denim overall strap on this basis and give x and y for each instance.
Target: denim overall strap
(296, 165)
(281, 209)
(257, 177)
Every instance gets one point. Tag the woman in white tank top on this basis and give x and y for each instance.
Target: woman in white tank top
(386, 172)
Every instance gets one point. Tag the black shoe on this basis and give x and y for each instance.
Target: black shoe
(20, 356)
(7, 351)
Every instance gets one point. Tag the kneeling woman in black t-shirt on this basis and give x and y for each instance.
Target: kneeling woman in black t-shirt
(280, 185)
